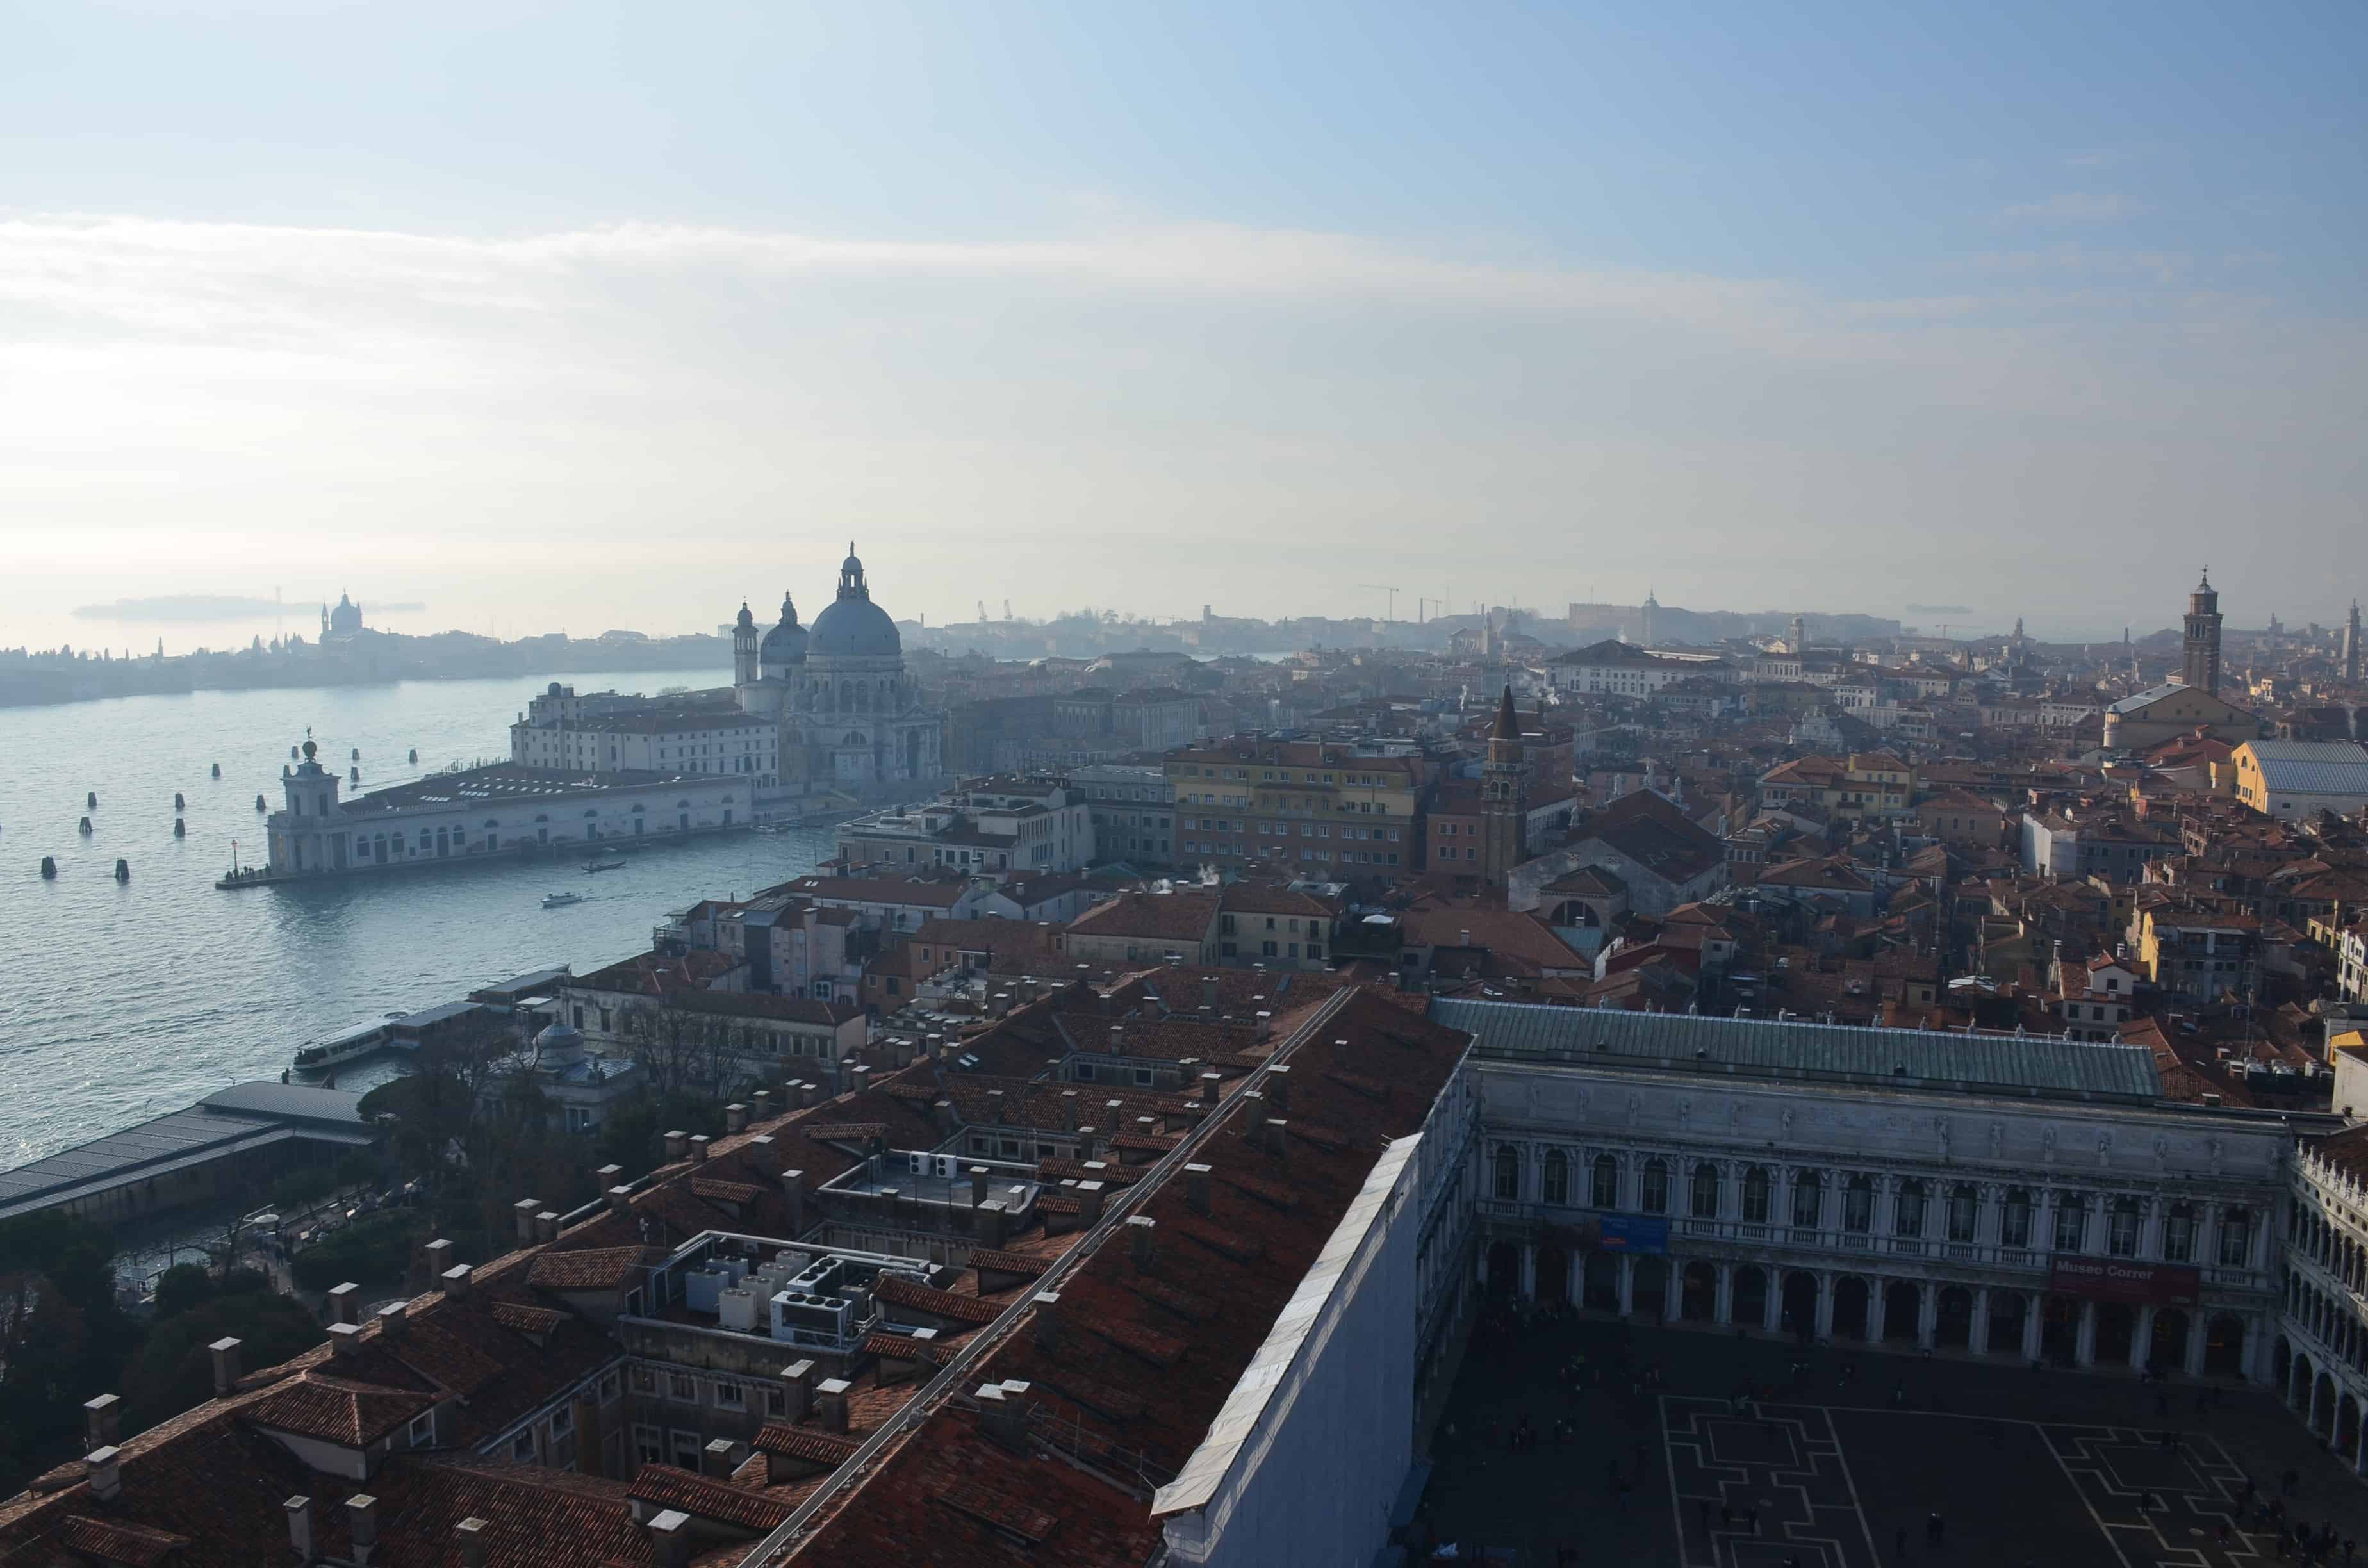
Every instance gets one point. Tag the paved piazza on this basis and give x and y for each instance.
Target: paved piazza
(1847, 1461)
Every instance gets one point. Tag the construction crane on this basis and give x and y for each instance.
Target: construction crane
(1006, 610)
(1427, 601)
(1385, 588)
(981, 612)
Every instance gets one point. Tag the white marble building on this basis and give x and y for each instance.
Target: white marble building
(2017, 1197)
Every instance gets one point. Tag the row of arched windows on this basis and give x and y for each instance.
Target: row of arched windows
(1920, 1211)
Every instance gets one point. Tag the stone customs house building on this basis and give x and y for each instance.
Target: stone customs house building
(2024, 1198)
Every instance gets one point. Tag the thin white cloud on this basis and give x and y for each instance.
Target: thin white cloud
(2076, 207)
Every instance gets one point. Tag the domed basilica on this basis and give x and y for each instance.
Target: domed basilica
(851, 718)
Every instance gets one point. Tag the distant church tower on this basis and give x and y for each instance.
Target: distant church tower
(1504, 797)
(743, 648)
(2202, 642)
(1646, 617)
(1797, 638)
(2351, 646)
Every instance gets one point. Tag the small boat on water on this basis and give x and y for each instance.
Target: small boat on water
(348, 1047)
(561, 900)
(590, 866)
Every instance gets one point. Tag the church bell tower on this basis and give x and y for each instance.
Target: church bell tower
(2201, 665)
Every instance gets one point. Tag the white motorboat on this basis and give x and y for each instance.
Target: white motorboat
(561, 900)
(350, 1046)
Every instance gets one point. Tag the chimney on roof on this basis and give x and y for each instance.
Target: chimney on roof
(859, 1077)
(830, 1404)
(471, 1533)
(1209, 991)
(345, 1302)
(1253, 1113)
(1278, 1138)
(102, 1420)
(793, 1198)
(1265, 1025)
(225, 1352)
(1069, 1111)
(456, 1281)
(797, 1389)
(716, 1459)
(987, 1224)
(1002, 1419)
(620, 1199)
(524, 1210)
(434, 1259)
(546, 1225)
(669, 1532)
(1196, 1189)
(763, 1105)
(764, 1154)
(736, 1117)
(299, 1525)
(1048, 1319)
(977, 1185)
(1138, 1231)
(678, 1144)
(1090, 1200)
(996, 1114)
(1277, 1088)
(361, 1526)
(698, 1141)
(392, 1318)
(345, 1340)
(99, 1469)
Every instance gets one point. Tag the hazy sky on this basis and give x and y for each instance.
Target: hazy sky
(595, 315)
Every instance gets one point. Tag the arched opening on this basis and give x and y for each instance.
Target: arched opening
(1507, 1174)
(2167, 1353)
(2117, 1328)
(1602, 1288)
(2297, 1393)
(1557, 1177)
(1953, 1328)
(1649, 1293)
(1801, 1304)
(1749, 1307)
(1504, 1271)
(2059, 1328)
(1850, 1308)
(1703, 1204)
(1808, 1193)
(1902, 1311)
(2009, 1310)
(2347, 1428)
(2280, 1362)
(2224, 1347)
(1554, 1274)
(2322, 1406)
(1698, 1301)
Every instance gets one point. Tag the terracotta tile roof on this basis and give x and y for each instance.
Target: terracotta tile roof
(726, 1191)
(1058, 1203)
(597, 1268)
(706, 1498)
(903, 1347)
(526, 1319)
(1154, 917)
(898, 1292)
(1009, 1262)
(1075, 1170)
(805, 1443)
(846, 1132)
(332, 1410)
(117, 1541)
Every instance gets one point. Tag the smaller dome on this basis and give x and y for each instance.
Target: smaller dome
(786, 643)
(560, 1042)
(308, 750)
(747, 623)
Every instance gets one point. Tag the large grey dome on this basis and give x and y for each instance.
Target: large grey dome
(786, 643)
(854, 628)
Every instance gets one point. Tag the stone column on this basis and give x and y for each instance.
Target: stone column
(1723, 1303)
(2196, 1336)
(1529, 1272)
(1927, 1314)
(1876, 1289)
(1825, 1303)
(2150, 1227)
(1574, 1275)
(2032, 1303)
(2083, 1348)
(1673, 1288)
(1480, 1258)
(1887, 1204)
(1772, 1317)
(1627, 1284)
(2142, 1341)
(1977, 1338)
